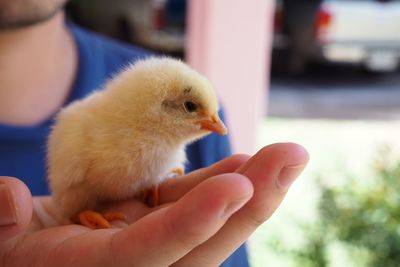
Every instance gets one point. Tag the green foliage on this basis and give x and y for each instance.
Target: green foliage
(362, 215)
(313, 253)
(368, 216)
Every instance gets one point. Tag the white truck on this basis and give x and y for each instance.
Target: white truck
(365, 32)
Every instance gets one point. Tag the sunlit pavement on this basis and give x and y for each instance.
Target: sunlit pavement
(336, 92)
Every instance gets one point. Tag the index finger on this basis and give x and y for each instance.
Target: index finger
(271, 171)
(173, 189)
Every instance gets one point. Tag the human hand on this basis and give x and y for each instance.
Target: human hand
(205, 216)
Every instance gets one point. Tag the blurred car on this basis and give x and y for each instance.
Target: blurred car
(365, 32)
(154, 24)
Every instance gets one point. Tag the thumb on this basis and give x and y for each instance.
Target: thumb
(15, 207)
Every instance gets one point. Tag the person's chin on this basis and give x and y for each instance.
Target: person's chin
(20, 21)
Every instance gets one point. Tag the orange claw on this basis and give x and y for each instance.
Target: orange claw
(179, 171)
(95, 220)
(114, 216)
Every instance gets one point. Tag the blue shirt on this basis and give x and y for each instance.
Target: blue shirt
(23, 149)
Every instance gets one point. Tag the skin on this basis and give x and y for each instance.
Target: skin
(21, 13)
(231, 198)
(34, 52)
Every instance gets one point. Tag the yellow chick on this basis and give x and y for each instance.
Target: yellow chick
(126, 139)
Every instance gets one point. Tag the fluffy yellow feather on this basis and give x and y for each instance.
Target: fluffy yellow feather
(128, 137)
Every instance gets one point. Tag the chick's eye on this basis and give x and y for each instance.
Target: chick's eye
(190, 106)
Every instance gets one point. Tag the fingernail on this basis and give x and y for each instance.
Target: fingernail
(8, 213)
(288, 174)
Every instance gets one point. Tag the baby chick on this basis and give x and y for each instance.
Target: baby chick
(126, 139)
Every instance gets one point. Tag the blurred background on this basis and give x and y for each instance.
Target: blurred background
(321, 73)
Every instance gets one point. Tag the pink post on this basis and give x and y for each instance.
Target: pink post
(229, 42)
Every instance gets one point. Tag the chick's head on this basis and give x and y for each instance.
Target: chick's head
(166, 96)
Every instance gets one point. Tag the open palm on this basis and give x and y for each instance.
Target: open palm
(203, 218)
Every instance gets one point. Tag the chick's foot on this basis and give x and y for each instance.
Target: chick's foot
(178, 171)
(96, 220)
(114, 216)
(151, 196)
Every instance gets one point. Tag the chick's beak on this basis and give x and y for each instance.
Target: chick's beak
(214, 124)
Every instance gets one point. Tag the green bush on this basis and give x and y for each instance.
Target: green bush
(363, 216)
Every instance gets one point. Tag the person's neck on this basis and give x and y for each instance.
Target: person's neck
(37, 70)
